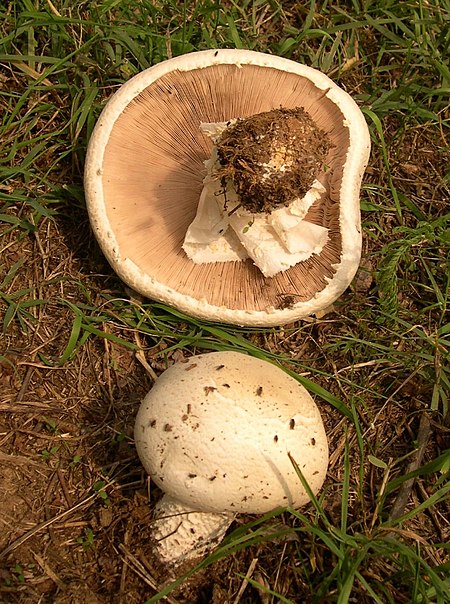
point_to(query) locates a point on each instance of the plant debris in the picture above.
(273, 157)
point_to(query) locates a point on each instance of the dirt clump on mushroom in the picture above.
(272, 157)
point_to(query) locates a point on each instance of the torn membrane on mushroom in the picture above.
(261, 214)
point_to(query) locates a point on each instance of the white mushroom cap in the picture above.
(216, 434)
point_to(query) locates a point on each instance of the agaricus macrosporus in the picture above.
(292, 238)
(218, 434)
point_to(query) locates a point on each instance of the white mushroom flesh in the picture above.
(222, 231)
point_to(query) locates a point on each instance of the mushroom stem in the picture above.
(183, 534)
(273, 232)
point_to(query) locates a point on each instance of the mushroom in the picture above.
(218, 434)
(144, 175)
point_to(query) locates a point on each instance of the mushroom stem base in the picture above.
(183, 534)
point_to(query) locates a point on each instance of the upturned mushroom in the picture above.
(218, 434)
(144, 177)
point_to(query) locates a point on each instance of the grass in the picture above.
(73, 338)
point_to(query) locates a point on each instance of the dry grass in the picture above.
(75, 515)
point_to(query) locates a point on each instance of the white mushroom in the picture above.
(216, 434)
(143, 181)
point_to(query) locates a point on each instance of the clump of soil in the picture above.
(273, 157)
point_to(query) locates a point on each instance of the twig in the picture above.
(416, 459)
(143, 361)
(64, 487)
(17, 459)
(248, 575)
(141, 571)
(25, 384)
(53, 8)
(125, 565)
(49, 572)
